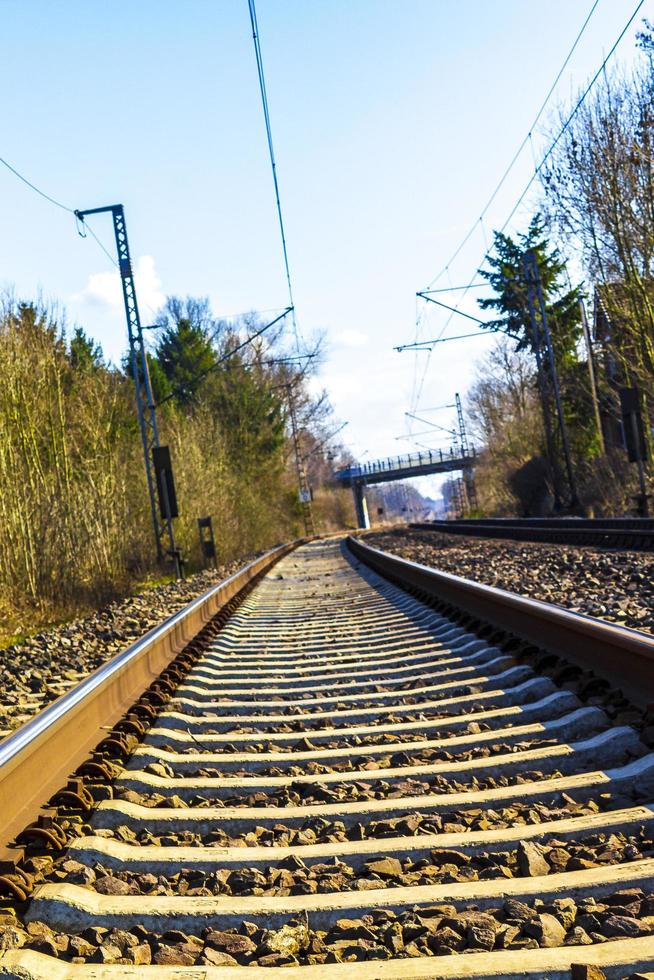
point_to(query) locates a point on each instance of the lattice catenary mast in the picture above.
(162, 520)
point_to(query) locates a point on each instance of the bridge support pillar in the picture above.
(360, 504)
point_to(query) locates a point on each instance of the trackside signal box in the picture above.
(207, 542)
(163, 469)
(632, 425)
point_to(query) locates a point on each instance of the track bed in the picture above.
(348, 783)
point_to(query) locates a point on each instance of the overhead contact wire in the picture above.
(38, 190)
(273, 164)
(58, 204)
(580, 101)
(517, 153)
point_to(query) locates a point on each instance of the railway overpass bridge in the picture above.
(393, 468)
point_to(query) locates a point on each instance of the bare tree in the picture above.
(600, 193)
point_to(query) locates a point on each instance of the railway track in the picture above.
(635, 534)
(343, 775)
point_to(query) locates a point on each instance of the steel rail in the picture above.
(631, 534)
(623, 656)
(603, 523)
(531, 745)
(38, 758)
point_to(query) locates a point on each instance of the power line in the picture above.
(545, 158)
(271, 151)
(244, 313)
(452, 289)
(201, 375)
(64, 207)
(517, 153)
(38, 190)
(87, 228)
(479, 221)
(106, 251)
(578, 106)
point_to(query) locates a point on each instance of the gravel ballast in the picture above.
(45, 666)
(617, 586)
(434, 930)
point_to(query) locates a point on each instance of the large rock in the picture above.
(546, 929)
(480, 937)
(565, 910)
(173, 956)
(387, 867)
(445, 939)
(288, 941)
(112, 886)
(578, 937)
(79, 947)
(625, 926)
(586, 971)
(121, 938)
(351, 929)
(531, 859)
(230, 942)
(11, 937)
(444, 856)
(215, 957)
(516, 911)
(140, 955)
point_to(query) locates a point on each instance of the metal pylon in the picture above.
(468, 475)
(304, 489)
(145, 406)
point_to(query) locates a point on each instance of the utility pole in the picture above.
(304, 490)
(544, 396)
(591, 375)
(468, 475)
(162, 519)
(532, 265)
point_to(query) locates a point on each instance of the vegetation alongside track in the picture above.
(75, 529)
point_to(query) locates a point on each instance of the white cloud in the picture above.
(351, 338)
(103, 289)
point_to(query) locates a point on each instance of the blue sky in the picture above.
(392, 123)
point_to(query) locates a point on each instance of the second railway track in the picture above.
(620, 533)
(360, 784)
